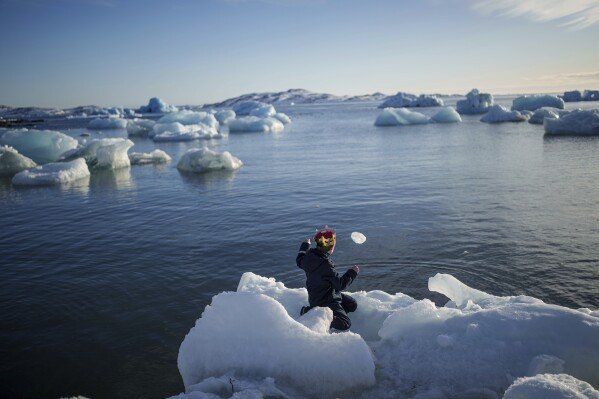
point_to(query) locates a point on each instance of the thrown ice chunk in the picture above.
(550, 386)
(475, 103)
(255, 124)
(358, 238)
(11, 162)
(157, 105)
(108, 153)
(107, 123)
(253, 336)
(534, 102)
(572, 96)
(400, 116)
(498, 114)
(52, 173)
(283, 118)
(186, 117)
(446, 115)
(224, 116)
(577, 122)
(401, 100)
(540, 114)
(201, 160)
(263, 111)
(139, 127)
(41, 146)
(154, 157)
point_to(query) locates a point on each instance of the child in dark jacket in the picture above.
(322, 281)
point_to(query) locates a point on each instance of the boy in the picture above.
(322, 281)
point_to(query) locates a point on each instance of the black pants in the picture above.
(340, 310)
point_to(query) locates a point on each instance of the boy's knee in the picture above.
(341, 324)
(352, 306)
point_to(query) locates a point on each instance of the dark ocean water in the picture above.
(101, 280)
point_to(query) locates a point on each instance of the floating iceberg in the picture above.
(42, 146)
(475, 103)
(107, 123)
(224, 116)
(400, 116)
(577, 122)
(52, 173)
(534, 102)
(476, 343)
(572, 96)
(446, 115)
(176, 131)
(550, 386)
(263, 111)
(540, 114)
(401, 100)
(110, 153)
(11, 162)
(283, 118)
(144, 158)
(498, 113)
(256, 124)
(139, 127)
(590, 95)
(244, 108)
(186, 117)
(201, 160)
(157, 105)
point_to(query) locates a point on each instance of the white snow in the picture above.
(400, 116)
(256, 124)
(157, 105)
(52, 173)
(401, 100)
(534, 102)
(110, 153)
(201, 160)
(11, 162)
(358, 237)
(41, 146)
(577, 122)
(550, 386)
(475, 103)
(477, 344)
(139, 127)
(446, 115)
(154, 157)
(224, 116)
(498, 113)
(107, 123)
(540, 114)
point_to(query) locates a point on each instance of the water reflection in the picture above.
(209, 179)
(119, 179)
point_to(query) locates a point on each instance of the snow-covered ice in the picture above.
(154, 157)
(498, 113)
(534, 102)
(109, 153)
(577, 122)
(401, 100)
(446, 115)
(157, 105)
(572, 96)
(224, 116)
(201, 160)
(42, 146)
(475, 103)
(52, 173)
(107, 123)
(400, 116)
(540, 114)
(550, 386)
(139, 127)
(358, 237)
(256, 124)
(11, 162)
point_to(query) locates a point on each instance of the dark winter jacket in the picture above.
(322, 281)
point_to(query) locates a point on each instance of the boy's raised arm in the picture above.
(302, 251)
(340, 283)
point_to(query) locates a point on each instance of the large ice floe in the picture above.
(254, 341)
(157, 105)
(498, 113)
(42, 146)
(401, 100)
(185, 126)
(446, 115)
(475, 103)
(107, 123)
(534, 102)
(200, 160)
(540, 114)
(139, 127)
(11, 162)
(143, 158)
(109, 153)
(402, 117)
(254, 116)
(52, 173)
(577, 122)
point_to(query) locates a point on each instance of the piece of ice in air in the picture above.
(358, 238)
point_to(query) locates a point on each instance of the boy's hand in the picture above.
(356, 268)
(307, 241)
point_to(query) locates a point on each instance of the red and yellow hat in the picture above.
(325, 237)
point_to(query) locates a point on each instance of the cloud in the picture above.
(573, 14)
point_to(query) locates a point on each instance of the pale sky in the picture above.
(116, 52)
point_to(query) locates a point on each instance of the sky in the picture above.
(63, 53)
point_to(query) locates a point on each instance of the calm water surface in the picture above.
(101, 280)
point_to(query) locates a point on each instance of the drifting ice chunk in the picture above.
(590, 95)
(224, 116)
(139, 127)
(498, 114)
(41, 146)
(446, 115)
(358, 238)
(11, 162)
(577, 122)
(252, 335)
(190, 118)
(175, 131)
(107, 123)
(52, 173)
(550, 386)
(283, 118)
(572, 96)
(401, 100)
(475, 103)
(532, 103)
(263, 111)
(157, 105)
(255, 124)
(201, 160)
(400, 116)
(540, 114)
(142, 158)
(104, 153)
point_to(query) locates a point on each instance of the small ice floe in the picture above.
(201, 160)
(475, 103)
(358, 238)
(52, 173)
(446, 115)
(498, 114)
(143, 158)
(42, 146)
(577, 122)
(400, 116)
(109, 153)
(11, 162)
(107, 123)
(157, 105)
(534, 102)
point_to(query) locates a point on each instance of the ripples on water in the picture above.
(102, 279)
